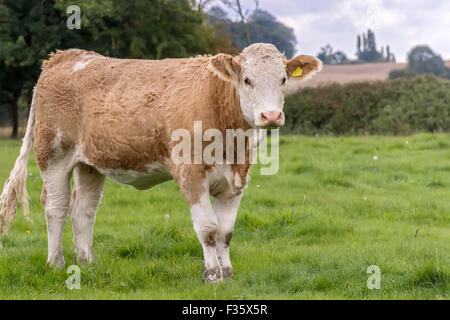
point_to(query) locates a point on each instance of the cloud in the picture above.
(399, 23)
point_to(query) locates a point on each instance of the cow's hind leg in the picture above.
(56, 198)
(226, 211)
(85, 199)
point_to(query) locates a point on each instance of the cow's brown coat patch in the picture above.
(228, 238)
(210, 238)
(123, 111)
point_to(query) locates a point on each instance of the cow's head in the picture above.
(261, 75)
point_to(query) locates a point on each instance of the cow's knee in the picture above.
(210, 237)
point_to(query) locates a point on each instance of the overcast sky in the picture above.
(401, 24)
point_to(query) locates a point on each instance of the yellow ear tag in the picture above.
(297, 72)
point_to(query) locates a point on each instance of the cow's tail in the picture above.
(14, 190)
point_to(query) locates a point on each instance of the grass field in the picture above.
(309, 232)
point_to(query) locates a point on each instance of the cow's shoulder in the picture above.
(70, 55)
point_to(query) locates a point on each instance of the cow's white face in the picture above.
(261, 75)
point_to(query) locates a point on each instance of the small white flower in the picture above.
(167, 216)
(257, 185)
(375, 158)
(365, 198)
(407, 142)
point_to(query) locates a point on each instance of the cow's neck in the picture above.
(228, 114)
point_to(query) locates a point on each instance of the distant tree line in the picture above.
(366, 52)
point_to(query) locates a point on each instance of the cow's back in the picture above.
(120, 112)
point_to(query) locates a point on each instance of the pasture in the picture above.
(355, 73)
(337, 206)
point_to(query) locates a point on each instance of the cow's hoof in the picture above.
(84, 257)
(227, 272)
(213, 275)
(56, 262)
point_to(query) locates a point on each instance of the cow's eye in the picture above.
(283, 81)
(248, 82)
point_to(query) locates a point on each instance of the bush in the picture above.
(402, 73)
(400, 106)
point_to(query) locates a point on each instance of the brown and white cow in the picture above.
(95, 116)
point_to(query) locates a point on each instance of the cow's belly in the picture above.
(155, 174)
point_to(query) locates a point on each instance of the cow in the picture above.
(94, 117)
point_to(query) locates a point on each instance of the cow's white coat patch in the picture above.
(80, 65)
(87, 58)
(56, 143)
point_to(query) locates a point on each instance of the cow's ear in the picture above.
(302, 67)
(225, 67)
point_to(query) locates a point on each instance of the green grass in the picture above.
(309, 232)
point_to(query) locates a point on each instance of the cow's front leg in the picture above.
(226, 212)
(206, 227)
(195, 188)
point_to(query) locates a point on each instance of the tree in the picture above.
(390, 57)
(29, 30)
(236, 7)
(328, 56)
(369, 51)
(262, 26)
(149, 29)
(422, 59)
(325, 53)
(358, 45)
(200, 5)
(221, 23)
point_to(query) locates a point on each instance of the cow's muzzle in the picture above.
(271, 119)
